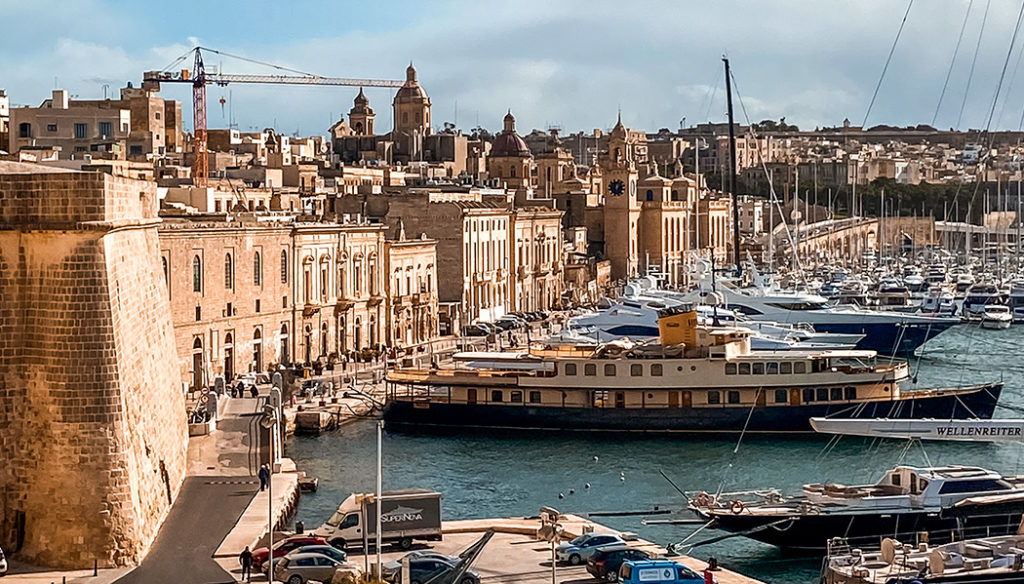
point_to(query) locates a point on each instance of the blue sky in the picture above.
(570, 63)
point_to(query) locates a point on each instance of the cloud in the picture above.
(571, 63)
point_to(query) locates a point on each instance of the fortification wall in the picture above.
(92, 429)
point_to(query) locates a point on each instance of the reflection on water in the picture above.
(487, 475)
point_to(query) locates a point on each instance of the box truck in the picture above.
(411, 514)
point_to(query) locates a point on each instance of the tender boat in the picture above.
(996, 317)
(697, 379)
(948, 502)
(988, 560)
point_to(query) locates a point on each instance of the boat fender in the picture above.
(704, 500)
(737, 507)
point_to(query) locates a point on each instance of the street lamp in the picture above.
(270, 421)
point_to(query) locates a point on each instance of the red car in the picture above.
(260, 555)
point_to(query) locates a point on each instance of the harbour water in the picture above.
(487, 475)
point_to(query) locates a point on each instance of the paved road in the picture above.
(205, 511)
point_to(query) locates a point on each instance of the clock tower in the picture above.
(621, 205)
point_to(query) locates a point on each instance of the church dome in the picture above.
(508, 142)
(411, 91)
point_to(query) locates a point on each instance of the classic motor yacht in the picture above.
(978, 297)
(905, 501)
(696, 379)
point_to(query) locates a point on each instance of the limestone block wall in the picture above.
(92, 429)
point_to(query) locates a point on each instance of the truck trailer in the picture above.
(409, 515)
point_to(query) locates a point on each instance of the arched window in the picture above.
(284, 266)
(512, 171)
(323, 339)
(229, 271)
(650, 195)
(325, 277)
(373, 276)
(257, 269)
(257, 350)
(197, 274)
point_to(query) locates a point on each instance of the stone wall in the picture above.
(92, 425)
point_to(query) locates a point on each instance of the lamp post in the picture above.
(270, 421)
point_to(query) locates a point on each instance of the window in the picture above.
(758, 368)
(229, 271)
(772, 369)
(636, 370)
(284, 266)
(609, 370)
(590, 369)
(730, 369)
(51, 127)
(570, 369)
(257, 269)
(199, 313)
(516, 397)
(257, 305)
(534, 397)
(197, 274)
(650, 195)
(135, 150)
(734, 397)
(167, 272)
(785, 368)
(808, 395)
(656, 369)
(106, 129)
(24, 130)
(970, 486)
(850, 393)
(800, 367)
(81, 130)
(156, 115)
(744, 368)
(836, 394)
(496, 395)
(714, 397)
(781, 396)
(822, 394)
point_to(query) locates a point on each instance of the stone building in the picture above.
(230, 291)
(473, 270)
(91, 409)
(621, 227)
(664, 221)
(510, 162)
(715, 228)
(411, 288)
(538, 258)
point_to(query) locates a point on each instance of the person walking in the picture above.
(264, 475)
(245, 558)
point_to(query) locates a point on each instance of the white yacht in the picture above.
(997, 317)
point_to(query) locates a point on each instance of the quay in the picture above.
(515, 555)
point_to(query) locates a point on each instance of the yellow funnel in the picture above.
(678, 328)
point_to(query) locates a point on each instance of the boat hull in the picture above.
(810, 533)
(411, 415)
(887, 338)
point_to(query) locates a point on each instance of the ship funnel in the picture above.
(678, 326)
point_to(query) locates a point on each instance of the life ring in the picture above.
(703, 500)
(737, 507)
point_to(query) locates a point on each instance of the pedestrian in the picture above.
(245, 558)
(253, 391)
(709, 576)
(264, 475)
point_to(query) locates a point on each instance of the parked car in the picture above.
(657, 572)
(434, 568)
(299, 568)
(580, 549)
(605, 561)
(261, 555)
(474, 330)
(324, 550)
(3, 563)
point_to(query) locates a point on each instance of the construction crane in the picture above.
(199, 78)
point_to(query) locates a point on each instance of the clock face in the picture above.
(616, 187)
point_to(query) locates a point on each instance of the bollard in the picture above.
(95, 567)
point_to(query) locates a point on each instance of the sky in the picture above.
(571, 64)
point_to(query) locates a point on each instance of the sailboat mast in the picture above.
(732, 170)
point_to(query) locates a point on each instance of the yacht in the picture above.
(1015, 299)
(695, 379)
(887, 333)
(903, 502)
(939, 301)
(996, 317)
(978, 297)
